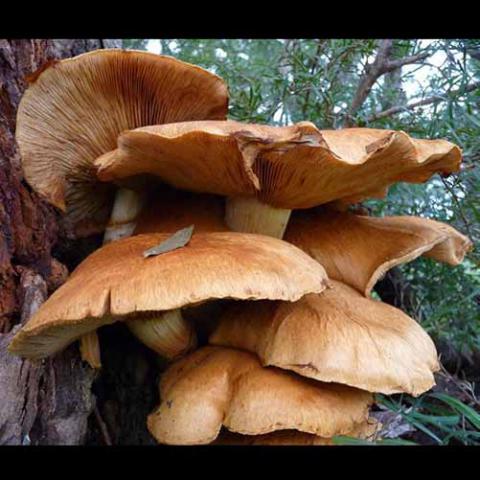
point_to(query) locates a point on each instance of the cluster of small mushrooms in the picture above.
(261, 219)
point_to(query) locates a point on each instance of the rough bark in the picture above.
(44, 402)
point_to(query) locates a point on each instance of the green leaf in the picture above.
(470, 414)
(395, 441)
(345, 440)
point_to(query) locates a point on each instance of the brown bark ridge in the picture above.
(46, 402)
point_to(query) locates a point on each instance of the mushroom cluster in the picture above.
(258, 219)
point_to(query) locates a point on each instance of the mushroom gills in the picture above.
(122, 223)
(166, 333)
(250, 215)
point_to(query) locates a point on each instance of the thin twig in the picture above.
(426, 101)
(381, 65)
(313, 67)
(458, 205)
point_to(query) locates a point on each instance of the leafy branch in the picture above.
(382, 64)
(426, 101)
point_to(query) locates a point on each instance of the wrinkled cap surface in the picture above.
(336, 336)
(205, 156)
(75, 109)
(217, 386)
(116, 281)
(358, 250)
(297, 166)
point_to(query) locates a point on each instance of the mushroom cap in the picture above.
(358, 250)
(365, 430)
(116, 281)
(75, 109)
(290, 167)
(217, 386)
(206, 156)
(168, 210)
(337, 336)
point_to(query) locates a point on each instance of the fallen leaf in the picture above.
(177, 240)
(393, 424)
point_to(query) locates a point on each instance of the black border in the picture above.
(240, 20)
(227, 461)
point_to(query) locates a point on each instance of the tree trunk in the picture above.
(46, 402)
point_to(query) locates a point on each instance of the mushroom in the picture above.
(358, 250)
(209, 156)
(117, 283)
(73, 112)
(167, 210)
(368, 430)
(216, 386)
(267, 171)
(336, 336)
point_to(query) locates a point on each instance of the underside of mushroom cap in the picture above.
(216, 386)
(336, 336)
(366, 430)
(75, 109)
(168, 210)
(351, 165)
(358, 250)
(287, 167)
(117, 281)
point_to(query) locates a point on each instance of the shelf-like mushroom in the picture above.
(73, 112)
(209, 156)
(267, 171)
(358, 250)
(216, 386)
(336, 336)
(117, 283)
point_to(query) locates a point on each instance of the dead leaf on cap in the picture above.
(177, 240)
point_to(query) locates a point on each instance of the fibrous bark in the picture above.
(46, 402)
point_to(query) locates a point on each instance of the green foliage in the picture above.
(135, 43)
(443, 419)
(344, 440)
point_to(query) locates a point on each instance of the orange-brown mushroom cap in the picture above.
(217, 386)
(336, 336)
(75, 109)
(290, 167)
(358, 250)
(206, 156)
(116, 281)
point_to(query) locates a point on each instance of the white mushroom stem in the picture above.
(167, 333)
(250, 215)
(126, 207)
